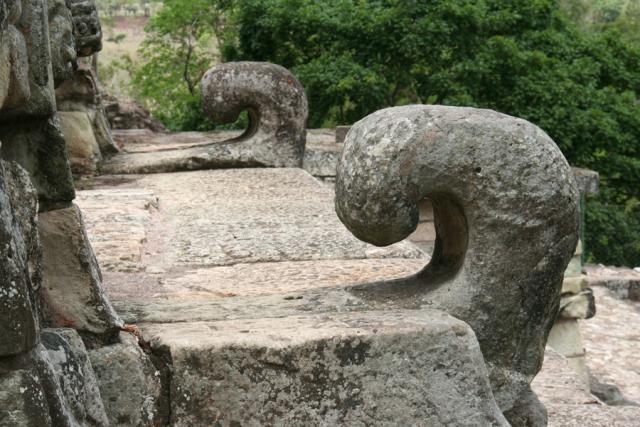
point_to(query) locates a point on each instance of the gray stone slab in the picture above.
(70, 363)
(226, 217)
(374, 368)
(19, 262)
(72, 282)
(129, 384)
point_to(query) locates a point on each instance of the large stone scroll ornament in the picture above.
(506, 216)
(276, 135)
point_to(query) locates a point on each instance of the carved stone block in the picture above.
(72, 287)
(19, 262)
(38, 146)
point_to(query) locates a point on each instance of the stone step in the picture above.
(370, 368)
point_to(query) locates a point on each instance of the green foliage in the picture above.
(520, 57)
(178, 50)
(613, 232)
(599, 15)
(115, 75)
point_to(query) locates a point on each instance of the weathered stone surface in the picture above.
(24, 202)
(277, 108)
(116, 221)
(129, 384)
(81, 95)
(623, 282)
(87, 31)
(372, 368)
(569, 402)
(276, 215)
(578, 306)
(29, 130)
(276, 103)
(565, 338)
(78, 92)
(70, 362)
(494, 181)
(102, 132)
(592, 416)
(130, 115)
(609, 393)
(557, 383)
(14, 66)
(612, 341)
(22, 398)
(574, 285)
(39, 147)
(59, 410)
(320, 156)
(528, 411)
(84, 151)
(72, 290)
(224, 282)
(31, 20)
(63, 49)
(574, 268)
(197, 286)
(174, 297)
(19, 262)
(320, 163)
(31, 394)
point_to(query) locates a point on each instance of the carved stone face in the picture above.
(14, 79)
(63, 49)
(86, 26)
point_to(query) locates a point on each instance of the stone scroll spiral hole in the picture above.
(443, 232)
(245, 124)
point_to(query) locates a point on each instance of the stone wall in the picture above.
(84, 122)
(56, 320)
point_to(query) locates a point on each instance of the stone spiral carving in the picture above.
(506, 215)
(275, 101)
(276, 135)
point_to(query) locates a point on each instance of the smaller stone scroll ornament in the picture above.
(275, 137)
(506, 217)
(275, 101)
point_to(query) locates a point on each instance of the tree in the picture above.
(179, 48)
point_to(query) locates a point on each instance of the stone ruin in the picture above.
(84, 121)
(458, 343)
(58, 327)
(275, 137)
